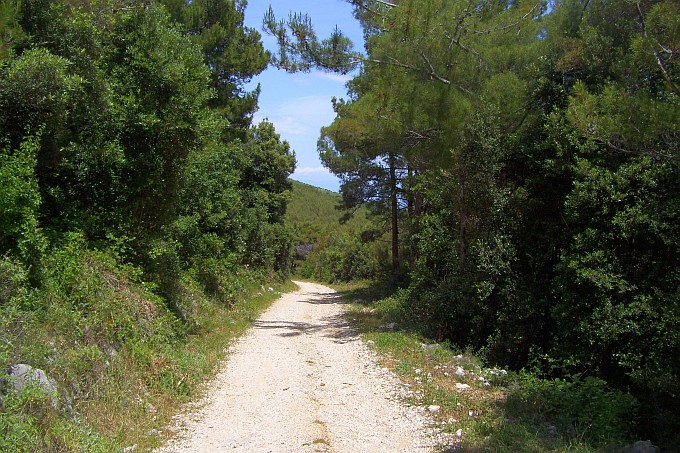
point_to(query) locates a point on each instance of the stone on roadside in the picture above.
(641, 446)
(460, 386)
(433, 408)
(22, 375)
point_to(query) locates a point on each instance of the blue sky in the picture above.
(300, 104)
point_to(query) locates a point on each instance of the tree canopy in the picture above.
(131, 121)
(532, 151)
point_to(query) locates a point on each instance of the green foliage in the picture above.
(306, 51)
(20, 201)
(501, 411)
(106, 340)
(136, 203)
(527, 161)
(344, 258)
(35, 91)
(313, 211)
(10, 30)
(233, 52)
(584, 408)
(329, 248)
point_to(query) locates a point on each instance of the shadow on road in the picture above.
(335, 327)
(323, 298)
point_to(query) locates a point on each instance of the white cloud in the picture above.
(312, 170)
(333, 77)
(289, 125)
(300, 116)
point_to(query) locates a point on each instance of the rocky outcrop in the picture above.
(22, 376)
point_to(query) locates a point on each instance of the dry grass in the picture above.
(136, 407)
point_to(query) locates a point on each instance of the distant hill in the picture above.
(312, 211)
(313, 214)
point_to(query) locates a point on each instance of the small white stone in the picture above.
(433, 408)
(460, 386)
(459, 433)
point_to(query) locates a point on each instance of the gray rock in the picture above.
(641, 446)
(552, 430)
(22, 375)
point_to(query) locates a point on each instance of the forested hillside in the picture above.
(330, 244)
(138, 204)
(525, 155)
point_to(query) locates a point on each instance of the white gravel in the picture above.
(301, 380)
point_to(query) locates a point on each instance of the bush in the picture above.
(585, 409)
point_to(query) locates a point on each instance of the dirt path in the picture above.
(302, 381)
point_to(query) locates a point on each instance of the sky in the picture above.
(299, 105)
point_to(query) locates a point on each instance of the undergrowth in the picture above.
(122, 360)
(487, 408)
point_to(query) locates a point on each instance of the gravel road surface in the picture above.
(301, 380)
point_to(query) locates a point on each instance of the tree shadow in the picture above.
(324, 298)
(335, 327)
(368, 294)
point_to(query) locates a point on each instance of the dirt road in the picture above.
(302, 381)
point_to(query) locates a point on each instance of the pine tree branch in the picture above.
(659, 61)
(512, 25)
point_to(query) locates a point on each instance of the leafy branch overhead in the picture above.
(303, 50)
(421, 43)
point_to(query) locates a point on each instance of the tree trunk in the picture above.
(463, 226)
(394, 212)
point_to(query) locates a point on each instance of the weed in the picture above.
(112, 345)
(493, 409)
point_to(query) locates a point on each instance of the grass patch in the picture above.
(488, 409)
(176, 378)
(125, 362)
